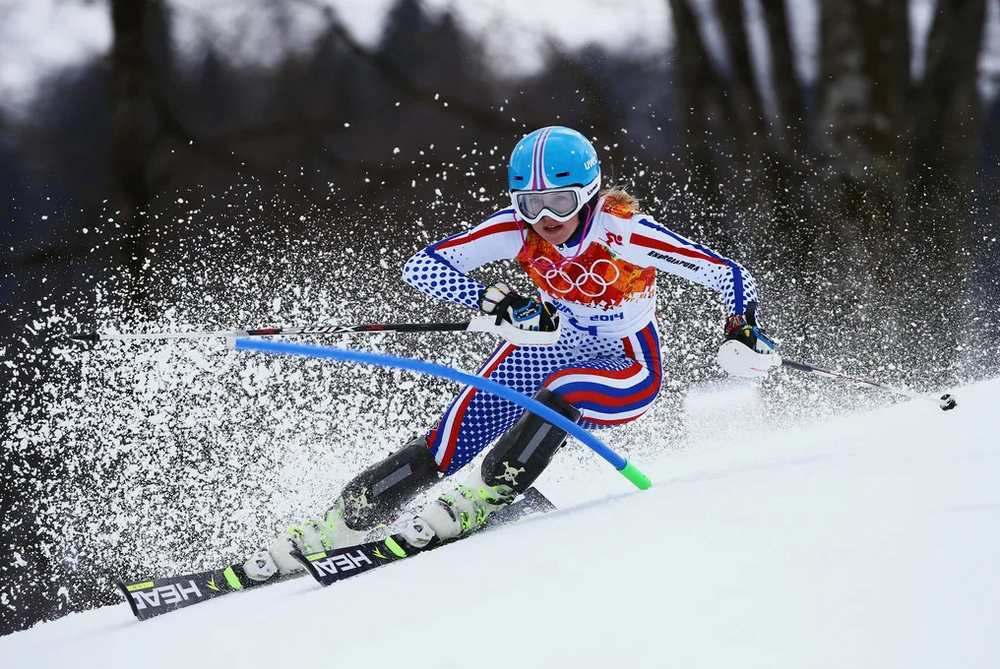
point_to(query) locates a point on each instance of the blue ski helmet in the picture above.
(552, 158)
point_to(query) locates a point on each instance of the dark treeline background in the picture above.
(866, 202)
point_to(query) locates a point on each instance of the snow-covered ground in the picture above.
(871, 540)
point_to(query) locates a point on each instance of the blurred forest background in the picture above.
(865, 198)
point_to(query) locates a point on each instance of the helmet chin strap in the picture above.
(585, 221)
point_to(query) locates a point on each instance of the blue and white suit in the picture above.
(603, 281)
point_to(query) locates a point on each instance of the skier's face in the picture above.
(555, 232)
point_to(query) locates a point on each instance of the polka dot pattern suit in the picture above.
(607, 359)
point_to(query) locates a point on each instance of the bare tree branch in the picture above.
(788, 90)
(484, 118)
(948, 97)
(749, 108)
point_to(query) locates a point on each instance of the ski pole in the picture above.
(305, 330)
(946, 401)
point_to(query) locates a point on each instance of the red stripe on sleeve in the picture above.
(478, 234)
(658, 245)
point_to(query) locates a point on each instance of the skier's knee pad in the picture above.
(523, 452)
(384, 488)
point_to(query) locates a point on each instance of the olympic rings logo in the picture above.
(563, 278)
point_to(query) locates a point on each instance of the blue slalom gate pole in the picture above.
(627, 469)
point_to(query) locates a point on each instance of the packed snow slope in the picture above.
(871, 540)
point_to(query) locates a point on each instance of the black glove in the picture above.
(524, 313)
(744, 329)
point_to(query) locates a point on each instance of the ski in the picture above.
(329, 567)
(149, 598)
(154, 597)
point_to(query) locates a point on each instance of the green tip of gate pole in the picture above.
(632, 473)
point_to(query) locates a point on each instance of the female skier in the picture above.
(594, 258)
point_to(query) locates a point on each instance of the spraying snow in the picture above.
(866, 540)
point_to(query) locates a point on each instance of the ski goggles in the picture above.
(561, 204)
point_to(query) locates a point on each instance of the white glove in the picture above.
(747, 351)
(520, 320)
